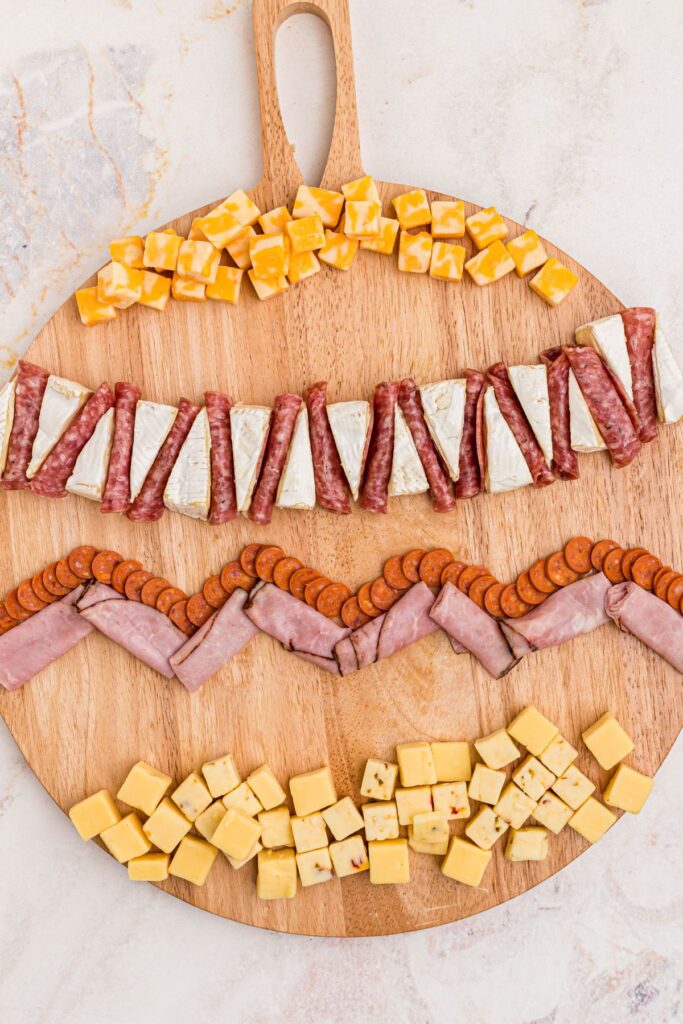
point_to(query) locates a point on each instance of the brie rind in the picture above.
(62, 401)
(188, 489)
(506, 467)
(443, 404)
(608, 338)
(584, 435)
(297, 483)
(6, 419)
(249, 425)
(350, 425)
(152, 425)
(407, 472)
(668, 378)
(92, 465)
(530, 384)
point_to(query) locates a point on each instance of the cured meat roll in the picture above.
(406, 622)
(298, 627)
(468, 483)
(565, 460)
(575, 609)
(331, 489)
(639, 328)
(28, 397)
(116, 497)
(284, 417)
(149, 504)
(471, 627)
(605, 403)
(381, 449)
(50, 480)
(219, 639)
(439, 483)
(514, 416)
(651, 620)
(223, 497)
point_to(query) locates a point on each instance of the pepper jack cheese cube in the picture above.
(437, 849)
(451, 797)
(94, 814)
(497, 749)
(592, 820)
(236, 834)
(533, 778)
(312, 791)
(149, 867)
(198, 261)
(389, 863)
(343, 818)
(314, 866)
(338, 251)
(416, 764)
(192, 796)
(448, 218)
(379, 779)
(486, 828)
(553, 282)
(452, 761)
(514, 806)
(490, 264)
(309, 832)
(267, 289)
(90, 309)
(486, 784)
(144, 787)
(276, 828)
(573, 787)
(226, 287)
(237, 864)
(349, 856)
(381, 820)
(552, 813)
(243, 799)
(126, 839)
(532, 730)
(185, 290)
(305, 234)
(120, 285)
(412, 209)
(273, 222)
(240, 249)
(414, 252)
(156, 290)
(628, 789)
(447, 261)
(128, 250)
(263, 783)
(527, 844)
(412, 801)
(430, 827)
(221, 775)
(558, 755)
(362, 219)
(465, 862)
(166, 826)
(161, 250)
(193, 860)
(276, 878)
(322, 202)
(269, 257)
(361, 190)
(386, 239)
(208, 821)
(486, 226)
(607, 741)
(527, 251)
(301, 266)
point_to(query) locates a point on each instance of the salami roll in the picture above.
(331, 488)
(469, 479)
(223, 498)
(639, 328)
(116, 497)
(149, 504)
(28, 397)
(381, 450)
(515, 417)
(285, 411)
(565, 460)
(605, 403)
(439, 483)
(50, 480)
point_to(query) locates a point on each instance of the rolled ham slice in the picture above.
(439, 483)
(346, 657)
(565, 460)
(651, 620)
(381, 451)
(515, 418)
(116, 497)
(576, 609)
(285, 413)
(223, 497)
(219, 639)
(605, 403)
(468, 483)
(639, 328)
(365, 640)
(50, 480)
(406, 621)
(474, 629)
(28, 397)
(298, 627)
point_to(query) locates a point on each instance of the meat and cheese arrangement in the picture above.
(509, 427)
(570, 593)
(431, 800)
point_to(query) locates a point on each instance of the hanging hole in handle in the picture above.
(307, 89)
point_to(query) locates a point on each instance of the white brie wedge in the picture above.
(443, 404)
(608, 338)
(530, 384)
(249, 425)
(188, 490)
(152, 425)
(506, 467)
(668, 378)
(407, 472)
(92, 465)
(62, 401)
(584, 435)
(6, 419)
(297, 483)
(350, 424)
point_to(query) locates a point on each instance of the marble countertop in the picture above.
(119, 115)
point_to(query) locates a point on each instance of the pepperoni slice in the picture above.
(248, 559)
(65, 576)
(469, 575)
(314, 588)
(577, 552)
(299, 579)
(540, 579)
(80, 561)
(6, 620)
(451, 573)
(52, 584)
(432, 565)
(674, 592)
(233, 577)
(103, 565)
(27, 597)
(559, 570)
(40, 590)
(266, 560)
(151, 590)
(214, 592)
(478, 588)
(352, 614)
(179, 617)
(410, 564)
(167, 598)
(660, 572)
(600, 550)
(611, 565)
(644, 570)
(628, 558)
(663, 581)
(329, 601)
(14, 609)
(527, 591)
(382, 595)
(394, 575)
(492, 600)
(198, 610)
(135, 581)
(284, 570)
(122, 571)
(365, 602)
(512, 604)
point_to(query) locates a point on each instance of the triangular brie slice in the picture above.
(530, 384)
(608, 338)
(444, 408)
(668, 378)
(506, 467)
(249, 425)
(350, 423)
(92, 465)
(62, 401)
(6, 419)
(407, 472)
(188, 490)
(152, 425)
(584, 433)
(297, 483)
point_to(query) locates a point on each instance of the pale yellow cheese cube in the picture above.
(208, 821)
(301, 266)
(430, 827)
(119, 285)
(143, 788)
(529, 843)
(412, 209)
(276, 878)
(465, 862)
(322, 202)
(312, 791)
(198, 261)
(269, 257)
(276, 828)
(91, 310)
(497, 749)
(389, 863)
(193, 860)
(379, 779)
(242, 207)
(490, 264)
(226, 287)
(237, 864)
(343, 818)
(126, 839)
(448, 218)
(128, 250)
(361, 190)
(416, 764)
(628, 789)
(220, 226)
(239, 249)
(94, 814)
(195, 233)
(149, 867)
(381, 820)
(527, 251)
(267, 289)
(273, 222)
(592, 820)
(533, 778)
(191, 796)
(452, 798)
(486, 226)
(558, 755)
(486, 784)
(452, 761)
(315, 866)
(161, 250)
(554, 282)
(156, 290)
(486, 828)
(309, 832)
(166, 826)
(414, 252)
(221, 775)
(185, 290)
(412, 801)
(305, 234)
(242, 798)
(362, 219)
(607, 741)
(552, 813)
(386, 239)
(263, 783)
(436, 849)
(532, 730)
(338, 251)
(349, 856)
(573, 787)
(236, 834)
(447, 261)
(514, 806)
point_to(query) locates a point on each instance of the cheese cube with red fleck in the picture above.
(412, 209)
(315, 866)
(301, 266)
(448, 218)
(185, 290)
(128, 250)
(349, 856)
(321, 201)
(338, 251)
(527, 251)
(239, 250)
(362, 219)
(554, 282)
(267, 289)
(386, 239)
(156, 290)
(226, 287)
(161, 250)
(90, 309)
(305, 234)
(490, 264)
(447, 261)
(120, 285)
(198, 261)
(273, 221)
(414, 252)
(486, 226)
(361, 190)
(451, 798)
(269, 256)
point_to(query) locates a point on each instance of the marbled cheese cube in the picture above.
(416, 764)
(410, 802)
(452, 761)
(263, 783)
(628, 789)
(273, 222)
(269, 257)
(239, 250)
(309, 832)
(322, 202)
(497, 749)
(242, 208)
(301, 266)
(185, 290)
(389, 863)
(191, 796)
(193, 860)
(195, 233)
(156, 290)
(532, 730)
(119, 285)
(514, 806)
(465, 862)
(208, 821)
(381, 820)
(143, 787)
(386, 239)
(276, 828)
(412, 209)
(486, 784)
(220, 226)
(338, 251)
(343, 818)
(552, 813)
(198, 261)
(314, 866)
(554, 282)
(305, 234)
(128, 250)
(276, 878)
(221, 775)
(436, 849)
(166, 826)
(527, 251)
(243, 799)
(91, 310)
(573, 787)
(312, 791)
(125, 839)
(607, 741)
(486, 828)
(379, 779)
(558, 755)
(447, 261)
(362, 219)
(533, 778)
(267, 289)
(149, 867)
(414, 252)
(94, 814)
(361, 190)
(237, 864)
(430, 827)
(486, 226)
(490, 264)
(161, 250)
(236, 834)
(451, 797)
(448, 218)
(349, 856)
(529, 843)
(226, 287)
(592, 820)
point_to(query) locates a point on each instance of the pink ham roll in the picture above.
(471, 627)
(298, 627)
(219, 639)
(654, 622)
(406, 622)
(569, 612)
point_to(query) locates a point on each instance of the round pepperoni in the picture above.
(198, 610)
(41, 590)
(284, 570)
(266, 560)
(433, 564)
(478, 588)
(540, 579)
(81, 560)
(559, 570)
(65, 575)
(512, 604)
(451, 573)
(312, 589)
(674, 592)
(628, 558)
(151, 590)
(27, 597)
(6, 620)
(611, 565)
(644, 570)
(52, 584)
(577, 551)
(248, 559)
(352, 615)
(135, 581)
(469, 575)
(365, 602)
(330, 600)
(410, 565)
(382, 595)
(600, 550)
(233, 577)
(103, 565)
(167, 598)
(299, 579)
(527, 591)
(214, 592)
(14, 609)
(492, 600)
(122, 571)
(662, 582)
(178, 616)
(394, 575)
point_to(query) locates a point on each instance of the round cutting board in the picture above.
(82, 723)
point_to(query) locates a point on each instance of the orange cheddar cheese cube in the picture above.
(90, 309)
(414, 252)
(128, 250)
(361, 190)
(554, 282)
(220, 226)
(267, 289)
(338, 251)
(273, 221)
(386, 239)
(447, 261)
(412, 209)
(242, 208)
(226, 287)
(239, 248)
(195, 233)
(486, 226)
(321, 201)
(156, 290)
(362, 219)
(269, 256)
(301, 266)
(161, 250)
(490, 264)
(527, 251)
(198, 261)
(118, 284)
(186, 290)
(305, 234)
(448, 218)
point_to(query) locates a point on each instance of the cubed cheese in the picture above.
(241, 207)
(221, 775)
(166, 826)
(150, 867)
(514, 806)
(430, 827)
(486, 226)
(362, 219)
(198, 261)
(156, 290)
(465, 862)
(302, 266)
(452, 761)
(527, 251)
(269, 257)
(195, 232)
(322, 202)
(416, 764)
(315, 866)
(276, 878)
(386, 239)
(193, 860)
(558, 755)
(607, 741)
(438, 848)
(379, 779)
(410, 802)
(448, 218)
(312, 791)
(272, 222)
(497, 749)
(552, 813)
(533, 778)
(452, 798)
(191, 796)
(414, 252)
(532, 730)
(185, 290)
(338, 251)
(490, 264)
(412, 209)
(94, 814)
(267, 289)
(239, 863)
(343, 818)
(306, 234)
(236, 834)
(361, 190)
(125, 839)
(220, 226)
(486, 828)
(381, 820)
(91, 310)
(309, 832)
(161, 250)
(592, 820)
(486, 784)
(349, 856)
(208, 821)
(628, 789)
(573, 787)
(263, 783)
(128, 250)
(143, 788)
(239, 249)
(554, 282)
(242, 798)
(276, 826)
(447, 261)
(389, 864)
(529, 843)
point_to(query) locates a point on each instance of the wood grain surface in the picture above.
(82, 723)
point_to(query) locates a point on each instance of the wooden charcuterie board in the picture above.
(83, 722)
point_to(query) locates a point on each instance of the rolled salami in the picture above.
(149, 504)
(439, 483)
(468, 483)
(285, 413)
(639, 328)
(50, 480)
(605, 403)
(28, 397)
(223, 497)
(331, 488)
(381, 450)
(116, 497)
(565, 460)
(515, 418)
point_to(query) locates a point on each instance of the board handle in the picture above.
(279, 163)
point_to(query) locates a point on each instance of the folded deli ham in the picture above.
(439, 483)
(116, 496)
(605, 403)
(31, 384)
(381, 450)
(406, 621)
(565, 460)
(575, 609)
(331, 489)
(285, 413)
(50, 480)
(514, 416)
(469, 481)
(471, 627)
(639, 328)
(149, 504)
(219, 639)
(298, 627)
(652, 621)
(223, 496)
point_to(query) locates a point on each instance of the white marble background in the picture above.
(120, 114)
